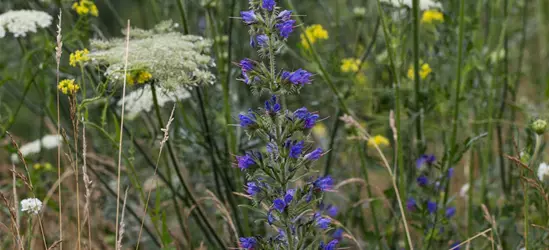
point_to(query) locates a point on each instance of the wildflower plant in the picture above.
(285, 189)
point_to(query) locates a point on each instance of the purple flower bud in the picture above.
(279, 205)
(248, 17)
(284, 15)
(300, 76)
(262, 40)
(285, 75)
(411, 204)
(314, 155)
(289, 196)
(338, 234)
(268, 5)
(247, 120)
(253, 189)
(246, 64)
(272, 106)
(429, 159)
(244, 162)
(431, 206)
(454, 246)
(252, 42)
(332, 211)
(422, 181)
(296, 149)
(310, 121)
(248, 242)
(270, 217)
(286, 28)
(450, 212)
(301, 113)
(323, 183)
(322, 222)
(331, 245)
(450, 173)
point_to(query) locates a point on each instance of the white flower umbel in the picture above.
(543, 171)
(47, 142)
(423, 4)
(21, 22)
(31, 205)
(170, 57)
(141, 100)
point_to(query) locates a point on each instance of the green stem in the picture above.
(417, 80)
(399, 159)
(370, 196)
(184, 17)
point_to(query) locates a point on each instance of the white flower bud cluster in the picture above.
(21, 22)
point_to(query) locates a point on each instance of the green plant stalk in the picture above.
(364, 168)
(399, 159)
(183, 16)
(525, 187)
(417, 80)
(333, 136)
(175, 163)
(506, 187)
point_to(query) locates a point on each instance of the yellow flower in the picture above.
(37, 166)
(68, 87)
(350, 65)
(378, 140)
(85, 7)
(320, 130)
(138, 77)
(313, 33)
(424, 71)
(79, 56)
(143, 77)
(432, 15)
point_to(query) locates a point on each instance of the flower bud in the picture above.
(539, 126)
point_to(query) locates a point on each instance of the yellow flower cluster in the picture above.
(46, 166)
(432, 15)
(350, 65)
(313, 33)
(79, 56)
(378, 140)
(68, 87)
(138, 77)
(85, 7)
(424, 71)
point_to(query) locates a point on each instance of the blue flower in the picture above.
(450, 212)
(411, 204)
(247, 120)
(285, 75)
(301, 113)
(272, 106)
(422, 181)
(245, 161)
(248, 17)
(281, 235)
(296, 149)
(331, 245)
(248, 242)
(338, 234)
(332, 211)
(252, 42)
(268, 5)
(323, 183)
(300, 76)
(431, 206)
(314, 155)
(429, 159)
(286, 28)
(289, 196)
(454, 246)
(285, 15)
(310, 121)
(262, 40)
(253, 188)
(246, 64)
(322, 222)
(270, 217)
(450, 172)
(279, 205)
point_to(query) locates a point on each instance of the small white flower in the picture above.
(464, 190)
(31, 205)
(423, 4)
(21, 22)
(543, 171)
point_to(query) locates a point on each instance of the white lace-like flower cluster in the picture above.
(543, 171)
(423, 4)
(170, 57)
(47, 142)
(31, 205)
(21, 22)
(141, 100)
